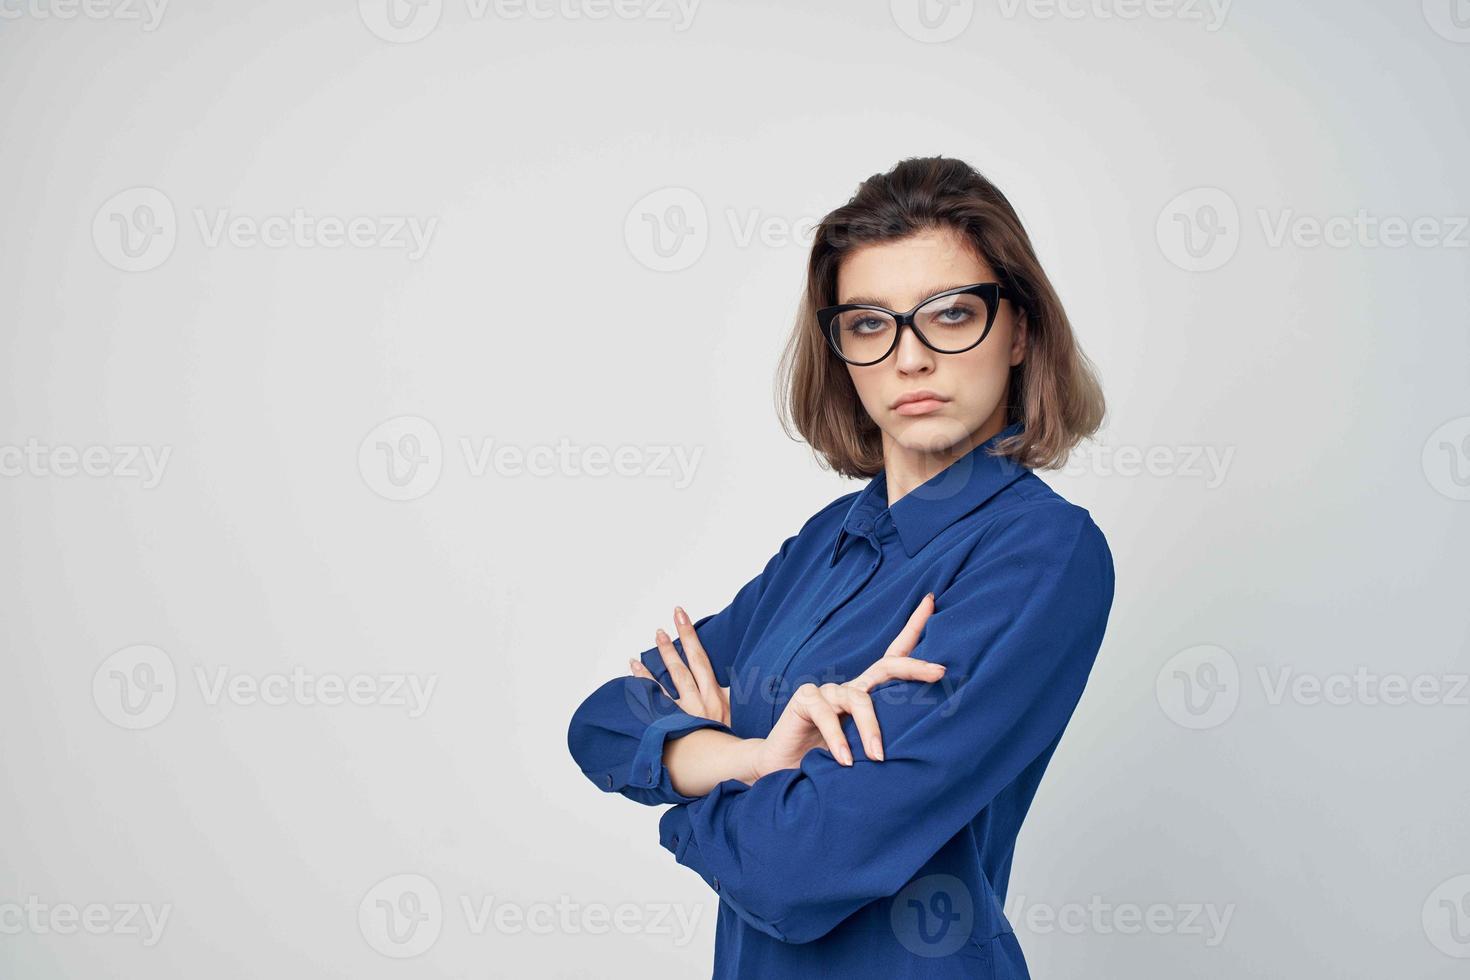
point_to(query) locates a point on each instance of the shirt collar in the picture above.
(934, 505)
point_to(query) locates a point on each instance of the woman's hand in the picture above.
(813, 716)
(698, 692)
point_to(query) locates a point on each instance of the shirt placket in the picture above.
(865, 529)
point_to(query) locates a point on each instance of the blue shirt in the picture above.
(895, 868)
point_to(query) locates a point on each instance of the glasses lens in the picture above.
(863, 335)
(953, 323)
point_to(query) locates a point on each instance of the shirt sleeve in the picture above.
(618, 732)
(799, 850)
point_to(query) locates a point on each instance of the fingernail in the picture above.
(930, 595)
(876, 751)
(681, 617)
(632, 664)
(662, 636)
(845, 757)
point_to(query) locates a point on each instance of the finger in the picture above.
(908, 637)
(897, 668)
(704, 672)
(812, 706)
(678, 673)
(636, 668)
(860, 706)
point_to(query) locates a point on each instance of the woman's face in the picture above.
(971, 387)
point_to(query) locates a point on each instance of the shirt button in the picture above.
(607, 780)
(676, 840)
(717, 882)
(650, 775)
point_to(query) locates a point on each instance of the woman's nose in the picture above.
(912, 356)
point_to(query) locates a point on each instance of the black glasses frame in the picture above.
(991, 292)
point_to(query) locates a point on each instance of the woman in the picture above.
(901, 671)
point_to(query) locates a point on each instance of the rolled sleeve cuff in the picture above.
(648, 769)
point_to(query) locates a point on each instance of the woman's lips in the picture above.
(921, 407)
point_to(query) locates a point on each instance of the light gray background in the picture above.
(1322, 823)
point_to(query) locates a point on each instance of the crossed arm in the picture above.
(796, 850)
(703, 759)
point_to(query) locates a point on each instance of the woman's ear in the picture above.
(1018, 338)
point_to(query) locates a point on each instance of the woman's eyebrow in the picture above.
(880, 301)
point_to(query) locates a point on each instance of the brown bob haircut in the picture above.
(1054, 391)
